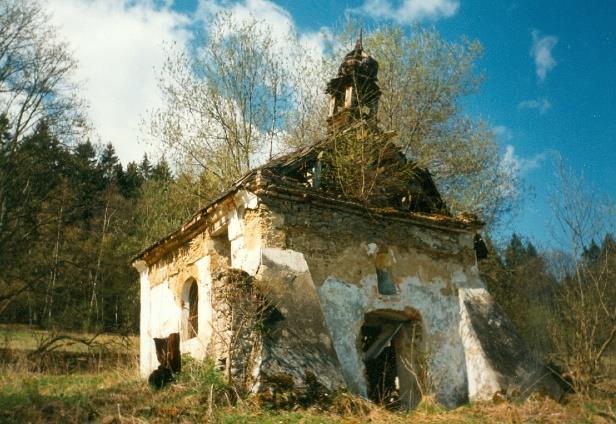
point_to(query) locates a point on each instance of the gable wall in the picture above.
(342, 250)
(320, 265)
(336, 244)
(162, 309)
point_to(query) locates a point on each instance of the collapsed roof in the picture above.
(354, 95)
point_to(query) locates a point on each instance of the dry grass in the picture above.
(26, 338)
(534, 410)
(116, 394)
(120, 396)
(30, 349)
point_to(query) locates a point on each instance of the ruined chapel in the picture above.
(282, 282)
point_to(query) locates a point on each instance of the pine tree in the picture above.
(108, 163)
(145, 168)
(131, 181)
(161, 171)
(86, 178)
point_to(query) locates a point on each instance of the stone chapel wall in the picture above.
(344, 250)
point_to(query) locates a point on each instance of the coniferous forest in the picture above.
(74, 216)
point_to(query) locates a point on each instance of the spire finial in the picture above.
(359, 42)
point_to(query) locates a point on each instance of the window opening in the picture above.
(385, 283)
(190, 310)
(193, 311)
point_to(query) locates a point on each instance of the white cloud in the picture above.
(118, 44)
(503, 132)
(119, 47)
(275, 18)
(541, 104)
(295, 49)
(409, 11)
(517, 165)
(541, 52)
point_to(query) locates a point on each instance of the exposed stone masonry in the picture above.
(239, 312)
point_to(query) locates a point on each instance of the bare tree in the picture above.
(587, 301)
(36, 81)
(224, 104)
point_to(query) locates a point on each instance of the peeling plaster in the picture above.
(321, 272)
(483, 381)
(345, 306)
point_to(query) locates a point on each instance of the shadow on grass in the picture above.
(28, 402)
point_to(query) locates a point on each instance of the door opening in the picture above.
(391, 346)
(381, 373)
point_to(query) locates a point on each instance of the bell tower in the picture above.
(354, 93)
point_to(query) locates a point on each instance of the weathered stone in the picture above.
(300, 342)
(497, 359)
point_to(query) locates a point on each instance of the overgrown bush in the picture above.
(202, 377)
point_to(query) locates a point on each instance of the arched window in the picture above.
(191, 309)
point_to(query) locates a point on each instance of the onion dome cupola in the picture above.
(354, 93)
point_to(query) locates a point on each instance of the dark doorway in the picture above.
(390, 342)
(381, 373)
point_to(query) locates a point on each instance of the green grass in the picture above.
(269, 417)
(26, 397)
(120, 394)
(199, 394)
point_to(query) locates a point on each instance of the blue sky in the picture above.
(550, 67)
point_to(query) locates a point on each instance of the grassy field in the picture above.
(115, 394)
(22, 337)
(52, 352)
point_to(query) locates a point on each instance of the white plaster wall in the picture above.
(144, 317)
(161, 312)
(161, 315)
(483, 381)
(345, 306)
(166, 312)
(241, 257)
(165, 315)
